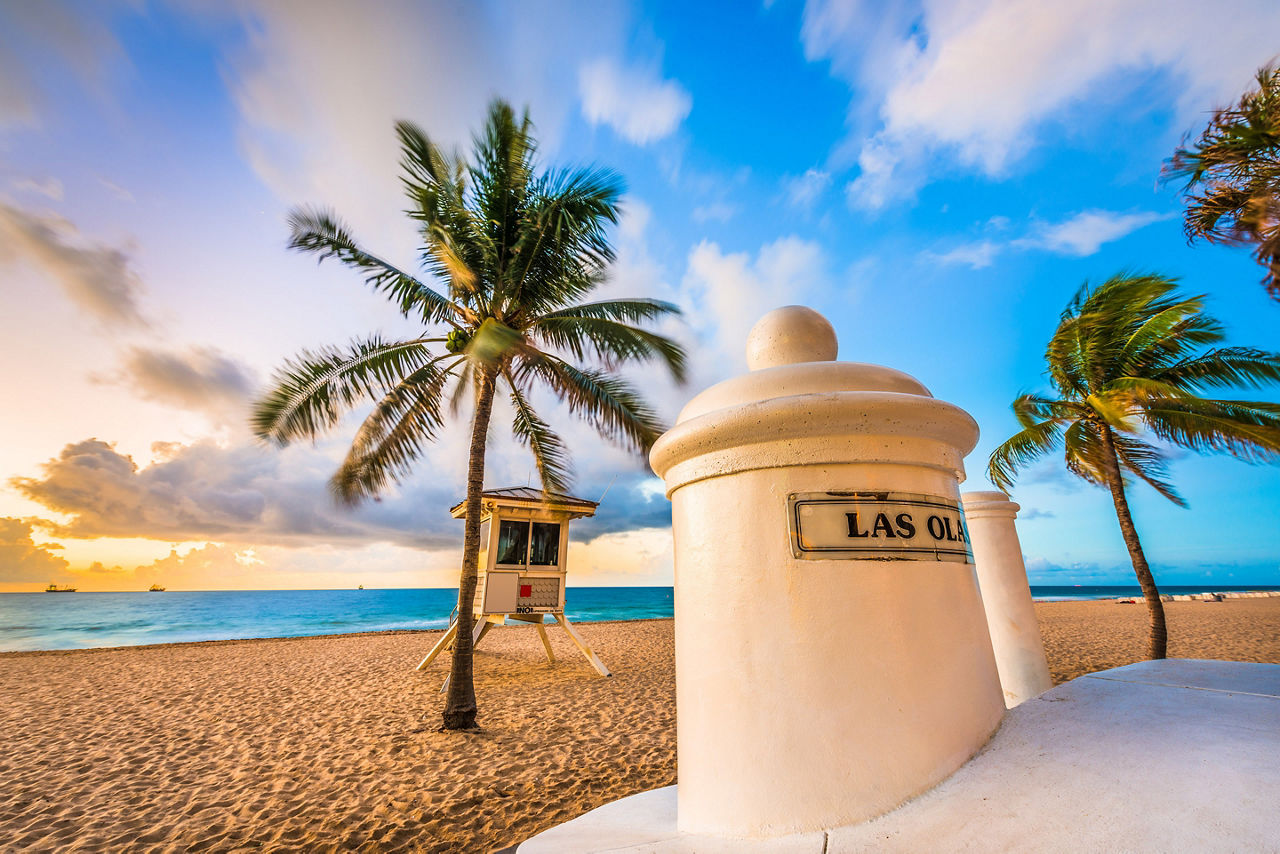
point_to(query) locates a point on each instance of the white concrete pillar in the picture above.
(1006, 596)
(830, 664)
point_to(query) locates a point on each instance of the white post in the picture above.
(1006, 596)
(833, 656)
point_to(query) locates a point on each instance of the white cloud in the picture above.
(803, 191)
(975, 255)
(634, 101)
(731, 291)
(978, 79)
(1081, 234)
(1084, 233)
(714, 211)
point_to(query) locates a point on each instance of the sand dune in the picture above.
(329, 744)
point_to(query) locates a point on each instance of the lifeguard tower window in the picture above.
(513, 542)
(544, 550)
(517, 548)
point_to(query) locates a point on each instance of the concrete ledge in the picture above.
(1157, 756)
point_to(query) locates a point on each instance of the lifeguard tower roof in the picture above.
(528, 494)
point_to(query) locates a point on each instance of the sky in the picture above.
(938, 178)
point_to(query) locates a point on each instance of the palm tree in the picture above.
(1128, 363)
(1233, 177)
(515, 250)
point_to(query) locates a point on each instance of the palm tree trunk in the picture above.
(460, 706)
(1159, 634)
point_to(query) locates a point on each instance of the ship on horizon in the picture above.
(53, 588)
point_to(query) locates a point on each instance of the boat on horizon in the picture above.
(53, 588)
(155, 588)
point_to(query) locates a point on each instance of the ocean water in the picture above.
(32, 621)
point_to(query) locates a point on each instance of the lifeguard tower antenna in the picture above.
(524, 539)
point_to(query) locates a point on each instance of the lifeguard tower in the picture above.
(524, 539)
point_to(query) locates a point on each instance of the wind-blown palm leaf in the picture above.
(1022, 449)
(1131, 392)
(1243, 429)
(1152, 337)
(1226, 367)
(1082, 443)
(313, 391)
(1147, 463)
(436, 185)
(320, 232)
(565, 248)
(392, 437)
(1232, 177)
(549, 454)
(614, 343)
(608, 403)
(1031, 409)
(624, 310)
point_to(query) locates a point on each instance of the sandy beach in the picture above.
(327, 744)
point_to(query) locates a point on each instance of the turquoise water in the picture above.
(30, 621)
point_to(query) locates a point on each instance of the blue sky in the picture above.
(937, 178)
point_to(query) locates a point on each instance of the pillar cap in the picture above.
(992, 502)
(798, 406)
(790, 335)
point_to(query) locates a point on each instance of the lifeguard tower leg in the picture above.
(546, 642)
(440, 645)
(582, 646)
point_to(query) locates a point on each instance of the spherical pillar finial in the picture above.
(790, 335)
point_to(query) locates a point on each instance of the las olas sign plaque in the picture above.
(877, 526)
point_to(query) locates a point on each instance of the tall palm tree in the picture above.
(1232, 177)
(1128, 363)
(515, 250)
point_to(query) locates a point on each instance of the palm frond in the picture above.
(563, 247)
(1232, 174)
(1030, 409)
(624, 310)
(313, 391)
(1146, 462)
(394, 434)
(320, 232)
(1246, 430)
(1020, 450)
(615, 343)
(606, 402)
(549, 453)
(1083, 452)
(1226, 367)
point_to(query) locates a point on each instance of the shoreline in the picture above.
(278, 638)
